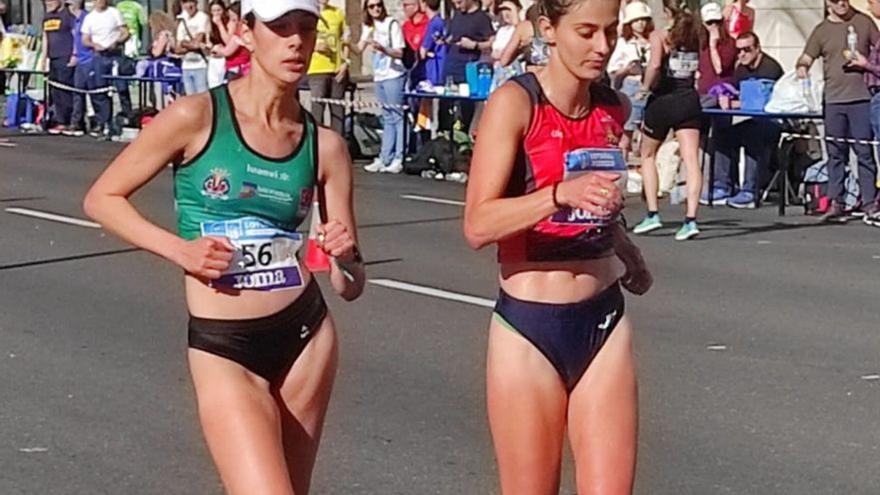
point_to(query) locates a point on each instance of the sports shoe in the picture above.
(872, 220)
(428, 174)
(866, 211)
(719, 197)
(687, 230)
(375, 167)
(74, 132)
(461, 177)
(57, 130)
(743, 199)
(834, 213)
(395, 167)
(96, 131)
(650, 222)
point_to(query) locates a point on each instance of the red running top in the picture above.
(553, 143)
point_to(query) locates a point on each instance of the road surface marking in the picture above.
(433, 292)
(53, 217)
(429, 199)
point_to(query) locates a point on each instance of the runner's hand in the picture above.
(595, 192)
(206, 257)
(335, 240)
(638, 278)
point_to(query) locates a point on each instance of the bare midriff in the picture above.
(207, 302)
(559, 281)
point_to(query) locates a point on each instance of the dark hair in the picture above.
(554, 9)
(368, 19)
(685, 31)
(627, 31)
(215, 37)
(433, 4)
(235, 6)
(514, 2)
(532, 14)
(749, 34)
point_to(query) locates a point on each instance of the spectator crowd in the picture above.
(81, 48)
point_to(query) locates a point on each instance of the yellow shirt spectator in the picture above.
(332, 33)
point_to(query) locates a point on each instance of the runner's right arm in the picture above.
(176, 134)
(490, 217)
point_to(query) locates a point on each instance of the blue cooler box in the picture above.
(755, 93)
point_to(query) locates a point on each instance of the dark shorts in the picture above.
(569, 335)
(266, 346)
(676, 110)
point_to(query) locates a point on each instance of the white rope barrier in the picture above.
(359, 104)
(64, 87)
(794, 135)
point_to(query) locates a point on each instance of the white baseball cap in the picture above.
(711, 12)
(269, 10)
(635, 11)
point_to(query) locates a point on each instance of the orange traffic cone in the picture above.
(316, 259)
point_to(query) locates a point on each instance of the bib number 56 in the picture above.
(257, 254)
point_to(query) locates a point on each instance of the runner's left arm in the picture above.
(638, 278)
(338, 227)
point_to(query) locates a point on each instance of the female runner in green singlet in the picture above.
(262, 347)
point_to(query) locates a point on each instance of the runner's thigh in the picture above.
(527, 403)
(603, 418)
(302, 400)
(242, 426)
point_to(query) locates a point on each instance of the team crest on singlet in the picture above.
(216, 186)
(610, 136)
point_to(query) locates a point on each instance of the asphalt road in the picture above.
(757, 348)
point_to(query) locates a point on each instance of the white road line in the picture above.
(429, 199)
(53, 217)
(432, 292)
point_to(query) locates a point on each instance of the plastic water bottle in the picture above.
(852, 41)
(807, 91)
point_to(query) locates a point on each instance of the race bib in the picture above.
(683, 65)
(264, 257)
(582, 161)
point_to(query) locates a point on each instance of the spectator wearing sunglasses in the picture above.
(847, 101)
(757, 136)
(718, 53)
(383, 35)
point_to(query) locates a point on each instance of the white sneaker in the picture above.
(396, 167)
(457, 177)
(374, 167)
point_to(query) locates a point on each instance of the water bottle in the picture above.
(852, 41)
(807, 91)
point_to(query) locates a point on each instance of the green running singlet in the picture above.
(228, 180)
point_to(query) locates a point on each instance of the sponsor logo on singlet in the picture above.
(216, 186)
(272, 174)
(248, 190)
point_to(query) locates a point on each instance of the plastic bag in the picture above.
(793, 95)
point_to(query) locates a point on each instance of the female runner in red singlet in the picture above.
(560, 347)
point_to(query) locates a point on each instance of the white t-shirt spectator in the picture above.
(389, 34)
(189, 28)
(104, 27)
